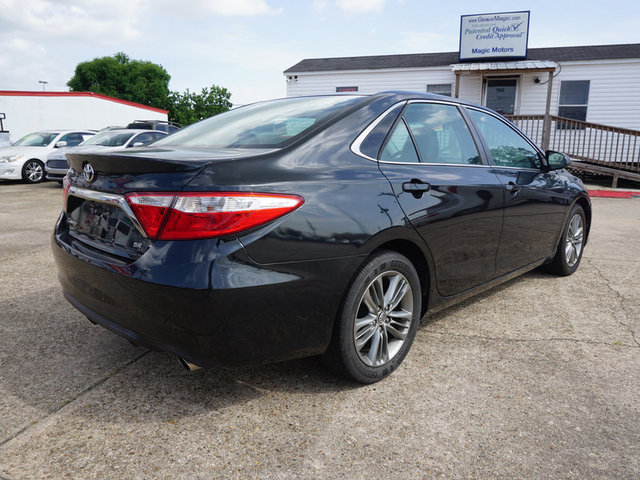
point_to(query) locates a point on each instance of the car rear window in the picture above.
(271, 124)
(110, 138)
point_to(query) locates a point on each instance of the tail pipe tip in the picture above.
(188, 365)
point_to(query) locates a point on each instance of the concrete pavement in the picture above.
(537, 378)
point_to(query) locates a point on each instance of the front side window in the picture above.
(508, 148)
(73, 139)
(574, 97)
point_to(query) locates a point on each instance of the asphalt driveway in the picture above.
(539, 378)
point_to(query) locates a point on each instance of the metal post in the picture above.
(546, 125)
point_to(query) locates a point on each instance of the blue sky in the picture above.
(244, 45)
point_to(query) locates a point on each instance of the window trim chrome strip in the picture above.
(109, 199)
(355, 145)
(427, 164)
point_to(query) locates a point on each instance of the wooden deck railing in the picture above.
(591, 143)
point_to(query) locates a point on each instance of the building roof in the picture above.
(537, 65)
(20, 93)
(423, 60)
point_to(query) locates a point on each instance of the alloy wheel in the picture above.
(573, 240)
(34, 172)
(383, 318)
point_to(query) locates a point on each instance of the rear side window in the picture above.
(371, 145)
(143, 138)
(437, 131)
(73, 139)
(399, 147)
(441, 134)
(508, 148)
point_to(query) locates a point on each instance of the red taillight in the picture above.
(65, 191)
(188, 216)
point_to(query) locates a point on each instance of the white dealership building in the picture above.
(597, 83)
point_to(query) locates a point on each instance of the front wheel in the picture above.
(571, 245)
(378, 319)
(33, 171)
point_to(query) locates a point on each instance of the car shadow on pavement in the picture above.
(55, 357)
(441, 315)
(61, 358)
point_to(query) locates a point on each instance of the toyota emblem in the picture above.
(88, 172)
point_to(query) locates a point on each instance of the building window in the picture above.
(439, 89)
(574, 96)
(346, 89)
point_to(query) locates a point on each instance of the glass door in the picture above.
(501, 95)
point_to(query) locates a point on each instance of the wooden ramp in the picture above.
(595, 148)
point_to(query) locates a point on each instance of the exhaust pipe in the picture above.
(188, 365)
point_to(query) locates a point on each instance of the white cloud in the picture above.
(23, 63)
(233, 8)
(42, 39)
(103, 21)
(358, 6)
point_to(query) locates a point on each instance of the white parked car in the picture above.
(25, 159)
(57, 165)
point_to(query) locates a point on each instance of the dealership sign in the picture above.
(494, 36)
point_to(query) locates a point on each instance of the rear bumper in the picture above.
(249, 313)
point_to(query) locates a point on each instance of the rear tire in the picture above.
(377, 321)
(571, 245)
(33, 171)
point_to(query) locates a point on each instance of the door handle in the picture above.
(416, 187)
(512, 188)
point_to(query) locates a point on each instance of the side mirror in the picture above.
(557, 160)
(61, 144)
(138, 144)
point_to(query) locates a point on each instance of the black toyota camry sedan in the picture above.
(318, 225)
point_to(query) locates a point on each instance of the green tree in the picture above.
(189, 107)
(120, 77)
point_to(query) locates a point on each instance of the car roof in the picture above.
(63, 131)
(409, 95)
(398, 95)
(133, 130)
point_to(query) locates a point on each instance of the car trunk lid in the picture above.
(98, 217)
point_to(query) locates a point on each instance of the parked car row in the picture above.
(41, 155)
(25, 159)
(57, 164)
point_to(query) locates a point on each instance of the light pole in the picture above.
(43, 82)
